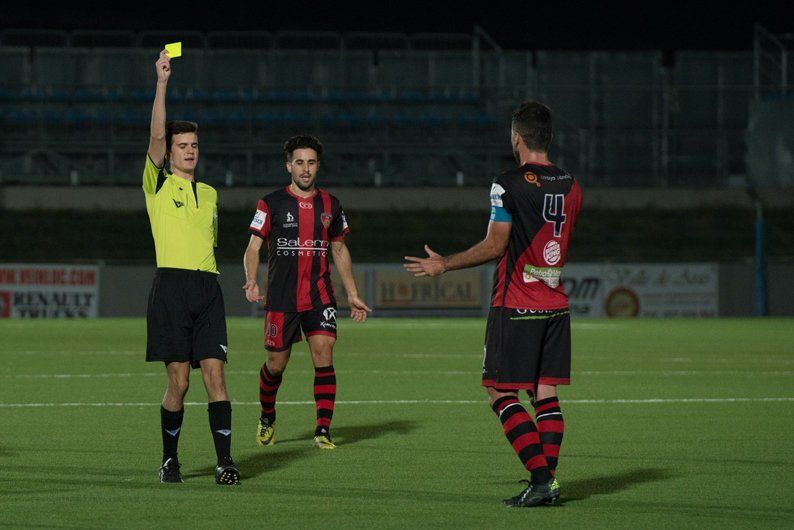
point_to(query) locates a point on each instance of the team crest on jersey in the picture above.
(531, 178)
(325, 218)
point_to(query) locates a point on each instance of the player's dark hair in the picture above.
(178, 127)
(302, 141)
(532, 121)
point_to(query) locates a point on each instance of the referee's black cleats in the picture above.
(535, 495)
(169, 472)
(227, 474)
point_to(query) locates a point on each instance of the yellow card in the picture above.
(174, 49)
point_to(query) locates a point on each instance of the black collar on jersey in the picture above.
(162, 175)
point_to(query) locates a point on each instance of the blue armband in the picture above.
(500, 215)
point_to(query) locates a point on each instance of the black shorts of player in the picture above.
(525, 348)
(282, 330)
(186, 320)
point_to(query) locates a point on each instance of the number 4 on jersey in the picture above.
(554, 211)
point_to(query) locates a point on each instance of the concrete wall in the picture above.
(124, 291)
(380, 199)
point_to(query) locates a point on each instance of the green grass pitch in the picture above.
(669, 423)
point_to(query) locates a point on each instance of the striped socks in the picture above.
(268, 387)
(550, 426)
(523, 436)
(324, 397)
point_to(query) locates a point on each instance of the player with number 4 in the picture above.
(528, 336)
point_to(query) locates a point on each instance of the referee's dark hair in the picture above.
(178, 127)
(532, 121)
(302, 141)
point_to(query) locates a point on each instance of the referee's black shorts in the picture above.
(525, 348)
(186, 320)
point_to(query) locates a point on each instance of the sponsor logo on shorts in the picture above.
(329, 314)
(259, 220)
(552, 253)
(223, 347)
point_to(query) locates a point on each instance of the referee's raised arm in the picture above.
(157, 146)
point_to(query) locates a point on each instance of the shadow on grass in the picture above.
(270, 458)
(261, 461)
(352, 434)
(577, 490)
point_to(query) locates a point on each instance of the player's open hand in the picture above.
(163, 66)
(358, 309)
(251, 289)
(432, 265)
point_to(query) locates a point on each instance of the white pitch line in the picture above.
(666, 373)
(684, 372)
(429, 402)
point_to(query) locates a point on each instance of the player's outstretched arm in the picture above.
(490, 248)
(344, 264)
(157, 134)
(251, 265)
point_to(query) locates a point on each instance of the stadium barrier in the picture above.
(596, 290)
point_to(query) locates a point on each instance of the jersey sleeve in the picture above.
(153, 176)
(338, 229)
(260, 224)
(501, 203)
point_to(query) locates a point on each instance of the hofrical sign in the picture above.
(49, 291)
(454, 290)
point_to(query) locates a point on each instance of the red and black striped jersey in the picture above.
(299, 232)
(542, 202)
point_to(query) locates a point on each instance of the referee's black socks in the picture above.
(171, 425)
(220, 413)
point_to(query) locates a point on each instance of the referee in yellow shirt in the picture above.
(186, 320)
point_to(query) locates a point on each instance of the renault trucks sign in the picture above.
(49, 291)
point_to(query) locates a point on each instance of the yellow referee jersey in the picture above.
(184, 219)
